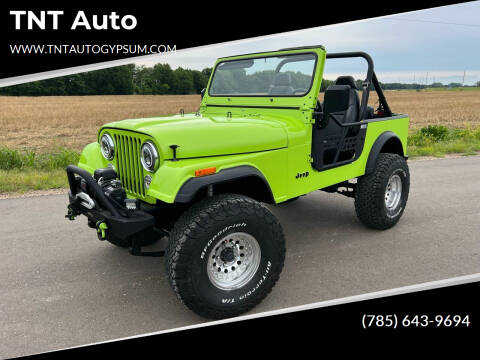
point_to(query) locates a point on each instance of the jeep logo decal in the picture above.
(302, 175)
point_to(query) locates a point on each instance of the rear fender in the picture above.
(387, 142)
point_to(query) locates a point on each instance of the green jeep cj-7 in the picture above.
(260, 136)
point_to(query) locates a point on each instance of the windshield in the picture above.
(285, 75)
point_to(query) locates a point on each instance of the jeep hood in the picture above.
(199, 136)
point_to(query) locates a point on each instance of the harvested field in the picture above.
(47, 123)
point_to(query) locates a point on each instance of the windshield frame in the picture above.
(264, 57)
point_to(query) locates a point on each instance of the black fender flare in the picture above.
(377, 148)
(190, 187)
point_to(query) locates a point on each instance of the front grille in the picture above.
(129, 167)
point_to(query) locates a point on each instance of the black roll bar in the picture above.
(371, 79)
(381, 96)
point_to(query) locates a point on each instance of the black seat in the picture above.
(282, 85)
(346, 80)
(342, 98)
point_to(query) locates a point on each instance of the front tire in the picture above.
(381, 196)
(225, 255)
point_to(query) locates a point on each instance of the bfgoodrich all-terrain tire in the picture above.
(224, 255)
(381, 196)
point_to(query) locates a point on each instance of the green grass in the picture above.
(21, 181)
(22, 171)
(438, 140)
(13, 159)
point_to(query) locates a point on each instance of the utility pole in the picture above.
(426, 79)
(463, 79)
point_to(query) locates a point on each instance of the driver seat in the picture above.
(281, 85)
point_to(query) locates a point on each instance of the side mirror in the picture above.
(202, 93)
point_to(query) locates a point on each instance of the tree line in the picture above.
(402, 86)
(160, 79)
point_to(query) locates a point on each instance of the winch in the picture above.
(112, 187)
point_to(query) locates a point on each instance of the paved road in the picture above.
(60, 287)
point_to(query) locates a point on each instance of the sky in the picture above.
(424, 46)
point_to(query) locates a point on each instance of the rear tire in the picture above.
(225, 255)
(381, 196)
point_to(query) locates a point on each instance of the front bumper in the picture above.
(110, 219)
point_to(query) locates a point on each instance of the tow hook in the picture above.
(70, 213)
(101, 229)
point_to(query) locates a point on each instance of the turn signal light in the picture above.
(206, 171)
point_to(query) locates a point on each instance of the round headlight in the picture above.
(108, 146)
(149, 156)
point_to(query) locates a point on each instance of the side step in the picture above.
(344, 188)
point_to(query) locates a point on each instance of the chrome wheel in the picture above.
(233, 261)
(393, 193)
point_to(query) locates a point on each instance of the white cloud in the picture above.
(401, 45)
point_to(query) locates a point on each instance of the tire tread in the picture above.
(370, 188)
(202, 215)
